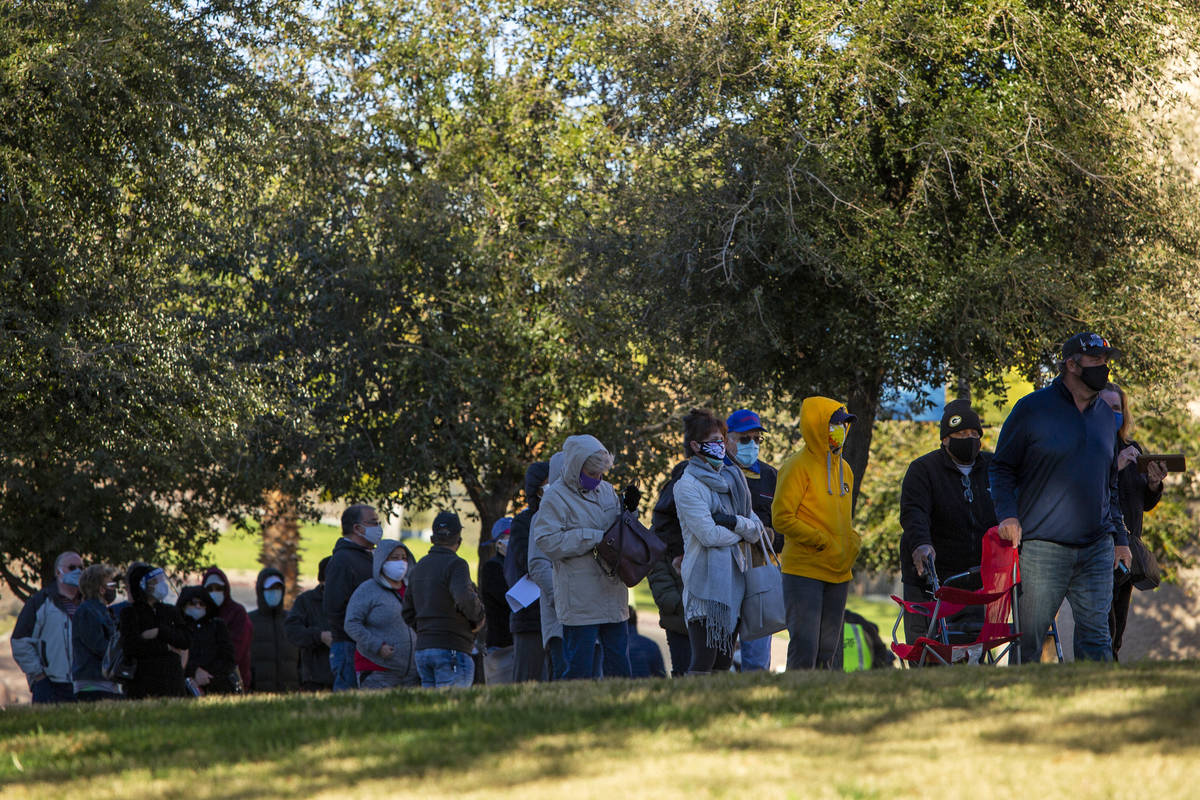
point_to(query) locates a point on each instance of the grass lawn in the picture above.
(1043, 731)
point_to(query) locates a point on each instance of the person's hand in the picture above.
(326, 638)
(1126, 457)
(725, 520)
(1155, 472)
(202, 677)
(1010, 531)
(151, 633)
(387, 651)
(1122, 555)
(632, 497)
(920, 555)
(41, 676)
(677, 564)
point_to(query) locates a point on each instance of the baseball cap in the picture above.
(1089, 344)
(744, 420)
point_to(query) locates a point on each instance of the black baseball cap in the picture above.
(1089, 344)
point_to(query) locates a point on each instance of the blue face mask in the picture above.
(747, 454)
(1120, 418)
(273, 597)
(72, 578)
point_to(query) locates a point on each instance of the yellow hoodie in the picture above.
(812, 502)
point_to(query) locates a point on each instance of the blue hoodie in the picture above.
(1055, 469)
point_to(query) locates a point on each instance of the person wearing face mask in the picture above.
(812, 510)
(274, 661)
(41, 639)
(498, 646)
(384, 643)
(945, 509)
(742, 446)
(154, 635)
(210, 662)
(592, 605)
(91, 629)
(308, 629)
(1054, 483)
(1138, 492)
(237, 620)
(718, 523)
(349, 566)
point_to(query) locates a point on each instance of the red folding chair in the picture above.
(1000, 574)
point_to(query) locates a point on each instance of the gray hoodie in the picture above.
(374, 618)
(569, 523)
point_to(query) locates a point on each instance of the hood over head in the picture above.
(260, 585)
(535, 476)
(577, 450)
(189, 593)
(380, 555)
(133, 581)
(218, 573)
(556, 467)
(815, 416)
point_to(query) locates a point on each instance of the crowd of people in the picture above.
(1064, 485)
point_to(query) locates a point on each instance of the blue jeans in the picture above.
(756, 654)
(341, 662)
(1082, 575)
(579, 650)
(441, 668)
(556, 661)
(814, 619)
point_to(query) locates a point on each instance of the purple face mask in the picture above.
(587, 483)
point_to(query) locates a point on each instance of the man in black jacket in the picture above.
(529, 656)
(349, 566)
(443, 606)
(308, 629)
(945, 509)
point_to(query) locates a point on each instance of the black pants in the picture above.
(706, 659)
(1118, 614)
(529, 657)
(680, 646)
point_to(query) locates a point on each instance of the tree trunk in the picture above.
(862, 402)
(281, 540)
(490, 507)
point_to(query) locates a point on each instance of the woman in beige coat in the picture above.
(592, 605)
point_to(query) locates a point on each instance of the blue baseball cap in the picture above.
(744, 420)
(500, 529)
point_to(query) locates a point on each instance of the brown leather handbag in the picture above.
(627, 550)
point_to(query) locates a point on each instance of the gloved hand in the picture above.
(632, 497)
(725, 520)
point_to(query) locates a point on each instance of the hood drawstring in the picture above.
(842, 489)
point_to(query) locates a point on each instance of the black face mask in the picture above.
(109, 596)
(964, 450)
(1095, 378)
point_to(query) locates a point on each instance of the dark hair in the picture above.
(351, 517)
(698, 425)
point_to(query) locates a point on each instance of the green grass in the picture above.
(1044, 731)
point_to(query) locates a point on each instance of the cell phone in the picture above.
(1175, 461)
(1121, 569)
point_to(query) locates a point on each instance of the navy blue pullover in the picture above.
(1055, 469)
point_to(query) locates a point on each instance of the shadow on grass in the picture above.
(330, 742)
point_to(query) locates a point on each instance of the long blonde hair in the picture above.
(1126, 417)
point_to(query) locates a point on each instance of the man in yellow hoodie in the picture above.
(812, 510)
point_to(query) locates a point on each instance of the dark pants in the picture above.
(1118, 615)
(680, 647)
(579, 650)
(529, 657)
(96, 695)
(706, 659)
(814, 619)
(556, 660)
(48, 691)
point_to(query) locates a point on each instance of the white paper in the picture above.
(522, 594)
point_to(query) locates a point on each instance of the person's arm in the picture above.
(541, 572)
(516, 561)
(1116, 520)
(665, 587)
(171, 627)
(88, 636)
(135, 645)
(695, 518)
(1005, 469)
(554, 538)
(408, 610)
(916, 507)
(789, 494)
(357, 611)
(337, 590)
(298, 628)
(466, 596)
(24, 641)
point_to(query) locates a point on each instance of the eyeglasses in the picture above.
(73, 568)
(967, 493)
(747, 438)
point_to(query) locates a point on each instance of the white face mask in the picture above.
(395, 570)
(195, 613)
(373, 534)
(217, 597)
(159, 592)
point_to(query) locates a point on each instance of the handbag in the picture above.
(627, 550)
(763, 609)
(116, 666)
(1145, 571)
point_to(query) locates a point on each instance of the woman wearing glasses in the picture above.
(945, 509)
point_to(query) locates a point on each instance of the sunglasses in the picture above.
(747, 438)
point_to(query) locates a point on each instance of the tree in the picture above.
(841, 197)
(123, 126)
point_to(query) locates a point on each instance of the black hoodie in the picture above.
(159, 672)
(349, 566)
(516, 562)
(211, 649)
(274, 661)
